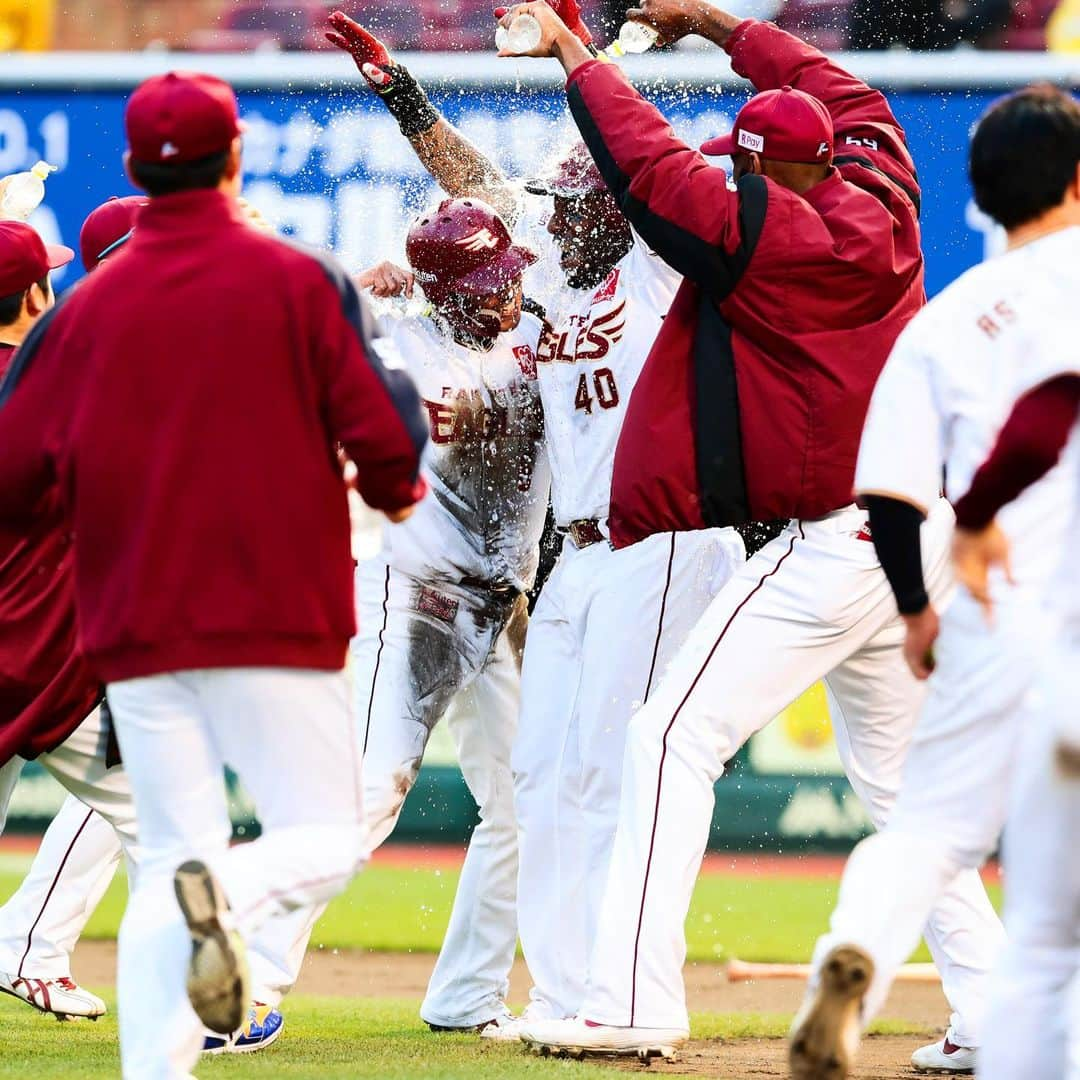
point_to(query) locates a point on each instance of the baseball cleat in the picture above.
(217, 979)
(63, 998)
(505, 1028)
(944, 1057)
(263, 1026)
(501, 1020)
(825, 1034)
(579, 1038)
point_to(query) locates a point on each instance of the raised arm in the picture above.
(770, 58)
(680, 204)
(458, 167)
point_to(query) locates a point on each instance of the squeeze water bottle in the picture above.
(520, 36)
(634, 37)
(24, 191)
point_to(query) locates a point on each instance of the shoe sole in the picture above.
(1068, 761)
(667, 1051)
(817, 1050)
(217, 980)
(60, 1015)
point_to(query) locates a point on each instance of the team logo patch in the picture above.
(478, 241)
(607, 289)
(526, 359)
(749, 141)
(169, 149)
(436, 604)
(823, 149)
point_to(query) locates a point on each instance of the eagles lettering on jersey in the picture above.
(469, 417)
(588, 337)
(486, 464)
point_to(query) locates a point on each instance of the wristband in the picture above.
(407, 102)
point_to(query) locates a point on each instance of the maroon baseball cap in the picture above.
(784, 125)
(26, 258)
(181, 116)
(108, 228)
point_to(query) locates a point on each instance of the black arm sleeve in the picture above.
(895, 526)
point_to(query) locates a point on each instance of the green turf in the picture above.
(326, 1037)
(406, 910)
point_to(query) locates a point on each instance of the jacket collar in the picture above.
(824, 190)
(186, 211)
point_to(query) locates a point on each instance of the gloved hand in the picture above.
(399, 91)
(570, 13)
(369, 54)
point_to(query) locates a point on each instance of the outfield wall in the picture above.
(325, 163)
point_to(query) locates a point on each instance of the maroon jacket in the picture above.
(752, 401)
(46, 688)
(188, 397)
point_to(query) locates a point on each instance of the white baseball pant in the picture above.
(1032, 1018)
(606, 626)
(289, 736)
(952, 803)
(42, 921)
(422, 646)
(813, 603)
(79, 764)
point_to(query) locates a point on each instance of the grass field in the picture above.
(391, 909)
(405, 910)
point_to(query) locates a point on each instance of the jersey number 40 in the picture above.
(604, 391)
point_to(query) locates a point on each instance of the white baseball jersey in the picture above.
(485, 464)
(588, 366)
(955, 374)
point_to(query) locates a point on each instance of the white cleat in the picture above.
(944, 1057)
(506, 1027)
(578, 1038)
(63, 998)
(218, 979)
(825, 1034)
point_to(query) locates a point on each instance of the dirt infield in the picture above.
(397, 975)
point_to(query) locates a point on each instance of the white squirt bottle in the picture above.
(24, 192)
(520, 36)
(634, 37)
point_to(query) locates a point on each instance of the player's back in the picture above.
(486, 462)
(983, 339)
(216, 368)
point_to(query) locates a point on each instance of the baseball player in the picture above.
(798, 278)
(235, 653)
(1033, 1029)
(442, 608)
(577, 693)
(77, 858)
(48, 697)
(938, 407)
